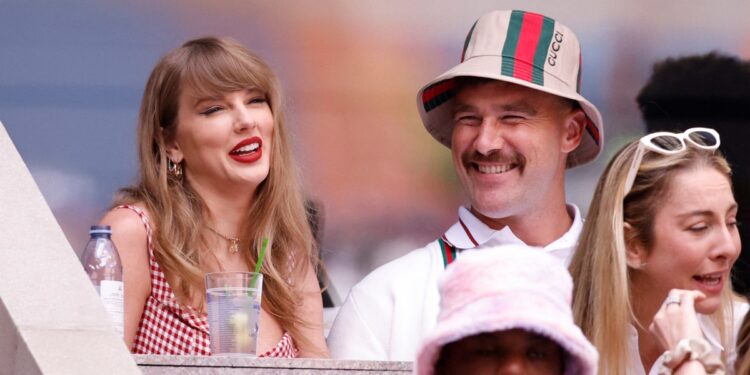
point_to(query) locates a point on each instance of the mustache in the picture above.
(497, 157)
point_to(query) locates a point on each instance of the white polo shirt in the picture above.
(387, 314)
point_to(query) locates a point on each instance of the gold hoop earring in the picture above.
(174, 169)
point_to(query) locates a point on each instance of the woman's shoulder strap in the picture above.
(146, 224)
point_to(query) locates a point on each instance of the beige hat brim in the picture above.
(439, 123)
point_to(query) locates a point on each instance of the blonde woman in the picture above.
(662, 218)
(216, 178)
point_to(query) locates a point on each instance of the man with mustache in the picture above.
(512, 115)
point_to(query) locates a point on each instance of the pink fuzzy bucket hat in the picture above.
(523, 48)
(504, 288)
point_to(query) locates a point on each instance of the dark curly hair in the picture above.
(710, 90)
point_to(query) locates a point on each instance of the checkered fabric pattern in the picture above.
(284, 349)
(167, 327)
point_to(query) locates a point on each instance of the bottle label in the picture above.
(112, 294)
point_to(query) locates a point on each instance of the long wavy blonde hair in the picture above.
(216, 66)
(602, 301)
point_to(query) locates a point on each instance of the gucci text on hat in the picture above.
(523, 48)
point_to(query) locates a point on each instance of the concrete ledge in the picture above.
(58, 351)
(51, 319)
(173, 364)
(17, 358)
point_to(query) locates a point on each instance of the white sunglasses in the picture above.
(667, 143)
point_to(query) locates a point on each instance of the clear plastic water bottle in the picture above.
(102, 263)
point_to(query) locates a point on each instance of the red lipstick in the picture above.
(249, 150)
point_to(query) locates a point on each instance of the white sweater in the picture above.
(388, 313)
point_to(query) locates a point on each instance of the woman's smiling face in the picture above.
(224, 140)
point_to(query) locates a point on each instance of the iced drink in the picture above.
(233, 311)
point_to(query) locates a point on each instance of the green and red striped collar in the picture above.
(470, 232)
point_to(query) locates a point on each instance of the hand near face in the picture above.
(676, 321)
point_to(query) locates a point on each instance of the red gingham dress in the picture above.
(168, 327)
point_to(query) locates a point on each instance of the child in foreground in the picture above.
(506, 310)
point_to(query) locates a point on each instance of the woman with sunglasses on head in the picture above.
(661, 225)
(217, 183)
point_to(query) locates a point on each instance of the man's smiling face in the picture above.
(509, 146)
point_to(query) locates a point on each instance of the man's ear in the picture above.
(575, 122)
(174, 153)
(635, 253)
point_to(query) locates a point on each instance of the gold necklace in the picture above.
(235, 247)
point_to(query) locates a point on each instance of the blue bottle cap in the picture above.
(100, 229)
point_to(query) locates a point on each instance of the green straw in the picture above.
(260, 262)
